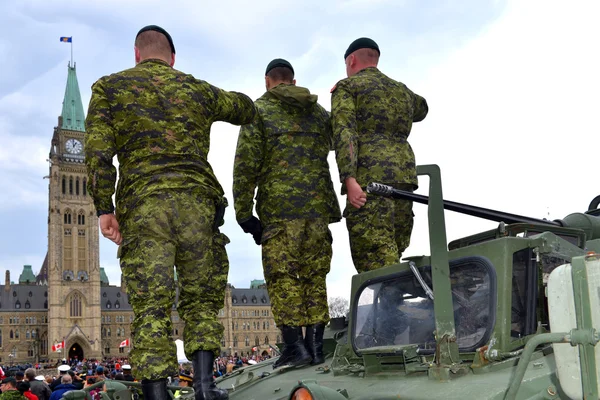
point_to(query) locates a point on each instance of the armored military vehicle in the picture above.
(504, 314)
(510, 313)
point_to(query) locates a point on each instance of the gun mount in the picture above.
(589, 221)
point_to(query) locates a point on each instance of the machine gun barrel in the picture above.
(480, 212)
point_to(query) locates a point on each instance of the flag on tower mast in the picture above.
(68, 39)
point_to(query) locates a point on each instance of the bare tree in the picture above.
(338, 307)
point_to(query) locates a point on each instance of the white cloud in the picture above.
(512, 106)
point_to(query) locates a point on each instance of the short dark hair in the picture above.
(153, 42)
(281, 74)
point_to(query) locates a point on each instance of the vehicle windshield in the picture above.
(396, 311)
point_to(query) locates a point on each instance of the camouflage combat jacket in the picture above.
(284, 152)
(372, 116)
(157, 121)
(12, 395)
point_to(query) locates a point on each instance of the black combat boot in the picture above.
(204, 384)
(155, 389)
(294, 353)
(313, 340)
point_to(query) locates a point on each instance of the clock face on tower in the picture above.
(73, 146)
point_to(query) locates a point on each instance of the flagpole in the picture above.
(72, 65)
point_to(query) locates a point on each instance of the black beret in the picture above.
(9, 379)
(185, 377)
(361, 43)
(158, 29)
(279, 62)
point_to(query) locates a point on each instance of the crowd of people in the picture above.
(31, 383)
(34, 383)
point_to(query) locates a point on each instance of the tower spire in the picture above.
(73, 117)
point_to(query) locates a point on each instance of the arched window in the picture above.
(235, 342)
(103, 332)
(70, 185)
(33, 333)
(222, 341)
(44, 344)
(247, 341)
(64, 185)
(46, 304)
(27, 304)
(77, 186)
(75, 305)
(108, 332)
(108, 304)
(84, 187)
(266, 340)
(17, 334)
(18, 304)
(117, 304)
(27, 334)
(256, 341)
(67, 218)
(11, 335)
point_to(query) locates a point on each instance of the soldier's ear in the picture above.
(172, 59)
(294, 82)
(137, 55)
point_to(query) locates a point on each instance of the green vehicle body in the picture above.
(470, 321)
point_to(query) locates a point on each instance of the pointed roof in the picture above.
(42, 276)
(73, 117)
(103, 277)
(27, 275)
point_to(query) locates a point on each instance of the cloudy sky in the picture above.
(511, 85)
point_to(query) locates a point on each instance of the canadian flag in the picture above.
(124, 343)
(58, 346)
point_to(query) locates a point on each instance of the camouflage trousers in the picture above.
(166, 230)
(296, 256)
(379, 231)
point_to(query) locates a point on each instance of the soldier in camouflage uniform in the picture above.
(9, 390)
(157, 121)
(284, 153)
(372, 116)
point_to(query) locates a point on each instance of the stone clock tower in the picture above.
(73, 242)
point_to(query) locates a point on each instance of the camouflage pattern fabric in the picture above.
(296, 257)
(379, 231)
(284, 152)
(372, 117)
(157, 121)
(166, 229)
(12, 395)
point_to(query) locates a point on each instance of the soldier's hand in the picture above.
(356, 196)
(110, 228)
(252, 226)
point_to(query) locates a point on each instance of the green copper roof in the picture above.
(73, 117)
(256, 283)
(103, 277)
(27, 275)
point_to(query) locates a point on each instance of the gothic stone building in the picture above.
(70, 299)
